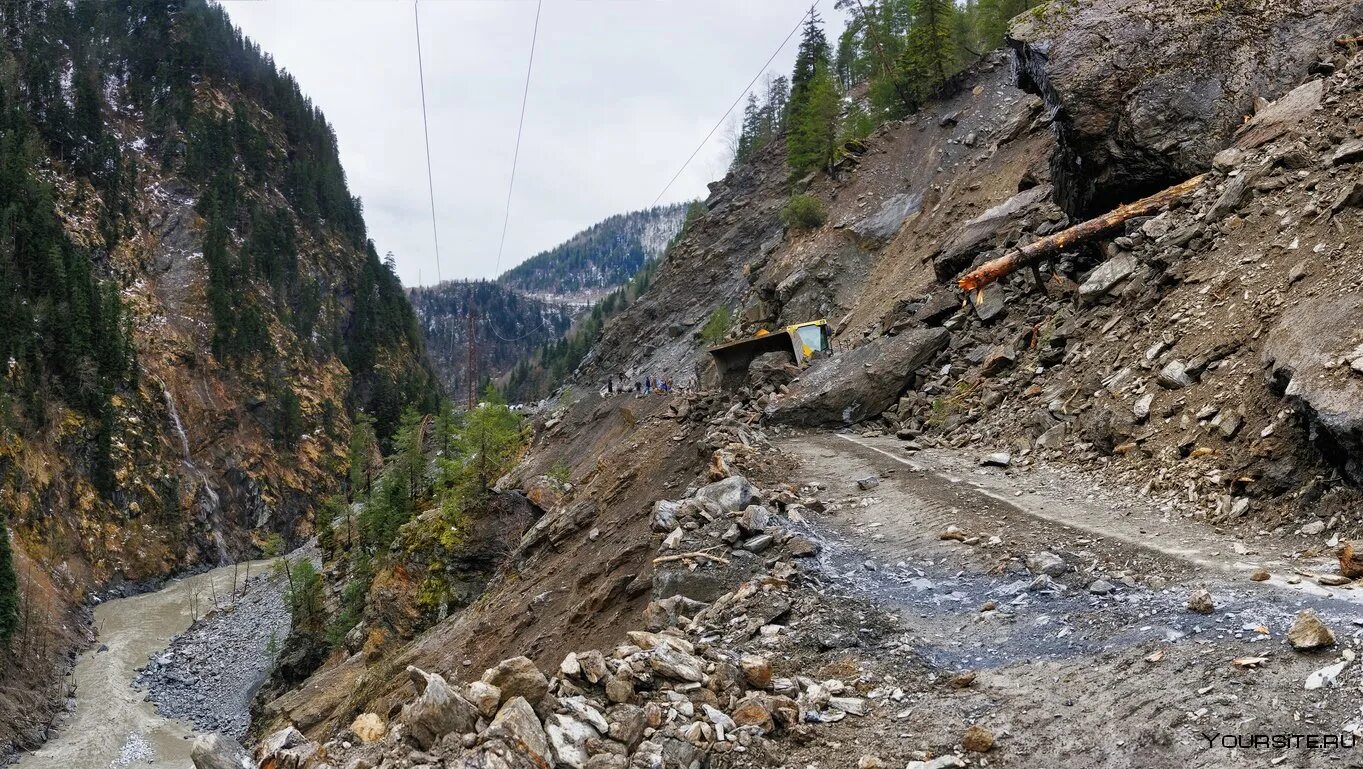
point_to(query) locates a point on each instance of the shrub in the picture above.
(717, 327)
(804, 212)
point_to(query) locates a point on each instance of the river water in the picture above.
(113, 726)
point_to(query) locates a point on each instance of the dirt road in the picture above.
(1102, 665)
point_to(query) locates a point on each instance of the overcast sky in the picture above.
(622, 92)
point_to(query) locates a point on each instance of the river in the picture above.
(114, 726)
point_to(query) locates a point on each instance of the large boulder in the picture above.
(518, 677)
(1145, 93)
(215, 751)
(987, 230)
(1309, 353)
(851, 386)
(438, 710)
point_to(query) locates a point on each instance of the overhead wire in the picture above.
(741, 94)
(426, 132)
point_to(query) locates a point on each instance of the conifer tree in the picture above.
(814, 125)
(812, 55)
(9, 585)
(929, 54)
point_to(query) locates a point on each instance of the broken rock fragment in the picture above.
(1309, 632)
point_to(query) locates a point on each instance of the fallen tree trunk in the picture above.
(1348, 41)
(1053, 244)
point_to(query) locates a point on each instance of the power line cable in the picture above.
(729, 111)
(426, 131)
(520, 125)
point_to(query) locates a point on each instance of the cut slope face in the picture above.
(1146, 93)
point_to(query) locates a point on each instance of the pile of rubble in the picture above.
(696, 689)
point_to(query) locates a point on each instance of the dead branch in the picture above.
(687, 556)
(1345, 42)
(1067, 238)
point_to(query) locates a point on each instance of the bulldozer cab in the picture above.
(799, 342)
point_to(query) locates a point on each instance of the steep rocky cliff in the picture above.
(192, 312)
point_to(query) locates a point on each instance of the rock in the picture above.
(1282, 115)
(987, 230)
(671, 662)
(215, 751)
(1351, 559)
(1107, 275)
(518, 677)
(941, 762)
(756, 671)
(802, 547)
(754, 519)
(437, 710)
(759, 543)
(1300, 350)
(619, 689)
(1259, 575)
(1046, 563)
(730, 495)
(627, 724)
(998, 359)
(1141, 409)
(568, 740)
(847, 387)
(1313, 528)
(989, 302)
(1138, 89)
(753, 712)
(285, 749)
(368, 727)
(997, 459)
(977, 739)
(1309, 632)
(485, 697)
(665, 515)
(1174, 376)
(1201, 602)
(1349, 152)
(868, 483)
(1101, 587)
(886, 222)
(517, 725)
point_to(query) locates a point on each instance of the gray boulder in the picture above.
(851, 386)
(215, 751)
(881, 226)
(437, 710)
(731, 494)
(987, 230)
(1303, 351)
(1145, 94)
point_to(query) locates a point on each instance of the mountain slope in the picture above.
(508, 324)
(593, 262)
(196, 311)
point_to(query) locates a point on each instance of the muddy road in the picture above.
(1103, 664)
(114, 725)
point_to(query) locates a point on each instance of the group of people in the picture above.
(647, 386)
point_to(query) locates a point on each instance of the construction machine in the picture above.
(800, 341)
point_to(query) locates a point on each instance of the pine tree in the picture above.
(929, 54)
(812, 55)
(814, 125)
(9, 585)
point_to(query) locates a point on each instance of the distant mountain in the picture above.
(599, 259)
(508, 324)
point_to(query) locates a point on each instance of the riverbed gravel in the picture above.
(208, 674)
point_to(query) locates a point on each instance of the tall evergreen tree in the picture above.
(814, 124)
(812, 55)
(9, 585)
(929, 52)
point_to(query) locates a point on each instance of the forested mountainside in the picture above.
(599, 259)
(192, 313)
(507, 326)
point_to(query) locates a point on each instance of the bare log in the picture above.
(1053, 244)
(1344, 42)
(690, 556)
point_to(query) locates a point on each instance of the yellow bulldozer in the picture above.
(800, 341)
